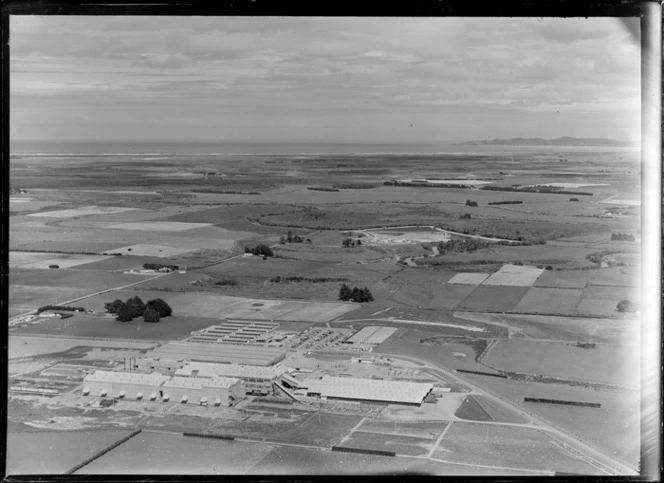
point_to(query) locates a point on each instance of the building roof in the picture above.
(153, 379)
(220, 382)
(220, 353)
(184, 382)
(369, 389)
(371, 335)
(207, 369)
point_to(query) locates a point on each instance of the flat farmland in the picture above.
(43, 260)
(82, 211)
(208, 305)
(550, 301)
(494, 298)
(403, 445)
(614, 276)
(605, 363)
(29, 297)
(168, 226)
(612, 293)
(598, 307)
(171, 454)
(86, 281)
(147, 250)
(438, 295)
(54, 452)
(234, 216)
(329, 255)
(507, 446)
(619, 414)
(571, 329)
(168, 328)
(73, 246)
(481, 408)
(514, 275)
(564, 279)
(125, 262)
(469, 278)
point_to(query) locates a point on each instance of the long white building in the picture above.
(221, 391)
(360, 389)
(256, 379)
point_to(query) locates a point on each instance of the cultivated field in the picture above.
(493, 298)
(513, 275)
(82, 211)
(469, 278)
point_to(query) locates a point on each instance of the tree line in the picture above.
(260, 250)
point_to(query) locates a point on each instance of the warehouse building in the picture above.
(256, 379)
(221, 391)
(235, 332)
(173, 354)
(359, 389)
(371, 335)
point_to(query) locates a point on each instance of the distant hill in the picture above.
(563, 141)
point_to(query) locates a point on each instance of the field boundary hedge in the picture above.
(210, 436)
(363, 451)
(102, 452)
(560, 401)
(480, 373)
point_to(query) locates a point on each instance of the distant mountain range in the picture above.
(563, 141)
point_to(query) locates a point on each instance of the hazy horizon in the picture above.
(344, 80)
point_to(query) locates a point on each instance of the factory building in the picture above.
(221, 391)
(371, 335)
(174, 354)
(359, 389)
(256, 379)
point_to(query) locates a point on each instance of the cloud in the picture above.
(161, 61)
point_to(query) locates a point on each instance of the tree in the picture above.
(159, 306)
(345, 292)
(626, 306)
(124, 314)
(471, 203)
(151, 315)
(282, 240)
(289, 236)
(113, 307)
(136, 306)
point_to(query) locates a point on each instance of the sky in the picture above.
(188, 79)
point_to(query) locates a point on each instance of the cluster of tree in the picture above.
(159, 266)
(471, 203)
(424, 184)
(355, 294)
(627, 306)
(586, 345)
(574, 199)
(226, 192)
(295, 278)
(60, 307)
(321, 188)
(126, 311)
(535, 189)
(225, 282)
(462, 245)
(290, 238)
(622, 237)
(355, 186)
(260, 250)
(350, 243)
(505, 202)
(465, 216)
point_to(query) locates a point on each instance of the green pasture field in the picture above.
(86, 281)
(73, 246)
(329, 255)
(208, 305)
(507, 446)
(615, 276)
(403, 445)
(234, 216)
(29, 297)
(564, 279)
(598, 307)
(619, 414)
(173, 454)
(125, 262)
(54, 452)
(497, 412)
(432, 295)
(168, 328)
(493, 298)
(605, 363)
(420, 429)
(570, 329)
(563, 301)
(612, 293)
